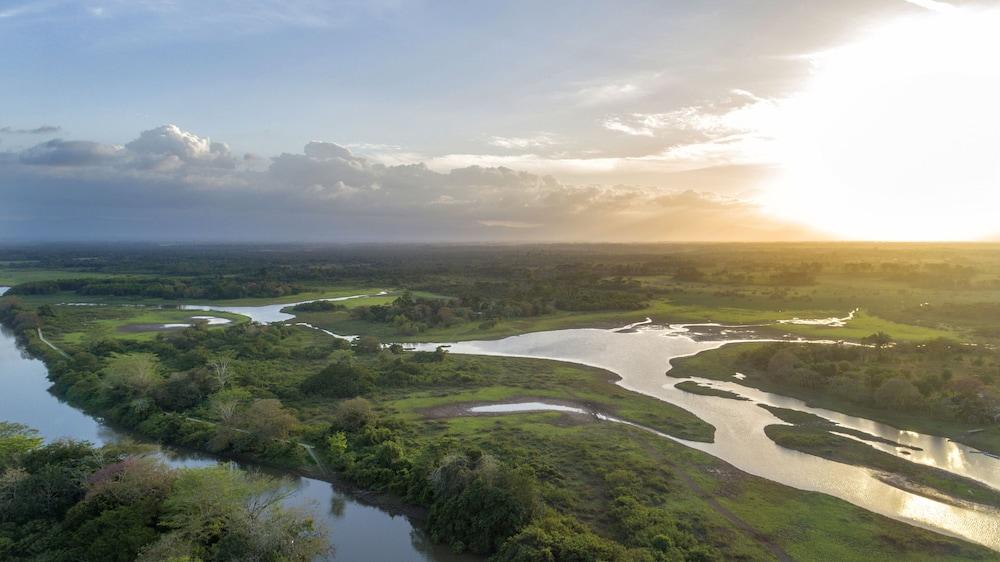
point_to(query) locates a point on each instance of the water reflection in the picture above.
(641, 356)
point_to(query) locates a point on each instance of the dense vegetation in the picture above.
(941, 379)
(214, 287)
(67, 501)
(543, 486)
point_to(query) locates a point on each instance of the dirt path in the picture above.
(52, 345)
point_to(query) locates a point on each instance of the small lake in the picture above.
(356, 530)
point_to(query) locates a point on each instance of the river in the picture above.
(357, 531)
(641, 356)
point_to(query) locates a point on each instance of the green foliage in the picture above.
(555, 538)
(343, 379)
(68, 501)
(15, 441)
(480, 502)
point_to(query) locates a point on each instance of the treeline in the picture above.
(67, 501)
(161, 288)
(486, 303)
(940, 378)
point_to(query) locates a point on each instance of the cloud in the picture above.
(616, 124)
(535, 141)
(169, 147)
(43, 130)
(738, 129)
(88, 190)
(609, 92)
(70, 153)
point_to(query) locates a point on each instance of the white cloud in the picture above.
(535, 141)
(736, 130)
(168, 147)
(608, 92)
(616, 124)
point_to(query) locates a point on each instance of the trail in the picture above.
(52, 345)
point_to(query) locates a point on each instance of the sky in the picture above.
(427, 121)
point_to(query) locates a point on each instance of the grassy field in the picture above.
(13, 276)
(74, 325)
(864, 324)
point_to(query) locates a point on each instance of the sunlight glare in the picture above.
(897, 136)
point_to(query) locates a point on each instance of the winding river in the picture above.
(640, 355)
(357, 531)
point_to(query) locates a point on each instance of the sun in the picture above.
(897, 135)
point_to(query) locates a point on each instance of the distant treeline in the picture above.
(221, 269)
(161, 288)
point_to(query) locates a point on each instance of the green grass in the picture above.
(13, 276)
(864, 324)
(75, 324)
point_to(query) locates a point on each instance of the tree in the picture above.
(367, 344)
(15, 440)
(267, 419)
(352, 415)
(879, 340)
(134, 374)
(342, 379)
(220, 366)
(480, 502)
(232, 514)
